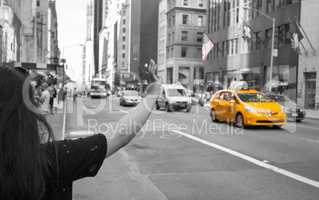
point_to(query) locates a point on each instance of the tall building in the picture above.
(10, 31)
(53, 46)
(143, 35)
(88, 70)
(41, 27)
(162, 39)
(241, 31)
(123, 39)
(186, 24)
(109, 40)
(128, 40)
(28, 33)
(28, 42)
(97, 27)
(308, 76)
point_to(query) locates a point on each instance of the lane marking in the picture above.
(307, 127)
(253, 160)
(145, 183)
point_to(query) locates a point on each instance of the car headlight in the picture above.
(250, 109)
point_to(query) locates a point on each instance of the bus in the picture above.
(99, 88)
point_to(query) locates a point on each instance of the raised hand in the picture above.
(155, 83)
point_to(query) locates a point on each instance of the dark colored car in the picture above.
(293, 111)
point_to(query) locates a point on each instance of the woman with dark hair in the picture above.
(32, 165)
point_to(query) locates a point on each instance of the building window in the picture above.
(123, 46)
(201, 3)
(173, 3)
(258, 40)
(184, 36)
(172, 52)
(124, 30)
(236, 45)
(223, 48)
(200, 21)
(268, 36)
(124, 21)
(123, 55)
(269, 6)
(173, 37)
(184, 52)
(199, 52)
(185, 2)
(38, 3)
(200, 37)
(284, 34)
(185, 19)
(173, 20)
(168, 38)
(123, 38)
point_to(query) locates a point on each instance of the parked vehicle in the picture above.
(130, 97)
(173, 97)
(99, 88)
(246, 108)
(293, 111)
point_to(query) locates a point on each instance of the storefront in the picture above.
(310, 90)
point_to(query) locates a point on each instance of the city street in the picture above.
(183, 155)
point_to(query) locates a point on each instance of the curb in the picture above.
(64, 119)
(313, 118)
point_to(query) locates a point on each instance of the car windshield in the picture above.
(278, 98)
(254, 97)
(176, 92)
(130, 93)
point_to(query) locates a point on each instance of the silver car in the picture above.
(293, 111)
(130, 98)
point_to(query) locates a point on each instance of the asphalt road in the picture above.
(183, 155)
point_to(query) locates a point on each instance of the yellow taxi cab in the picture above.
(246, 108)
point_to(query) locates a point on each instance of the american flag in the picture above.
(208, 45)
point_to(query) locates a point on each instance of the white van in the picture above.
(173, 97)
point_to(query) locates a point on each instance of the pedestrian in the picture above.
(53, 94)
(75, 95)
(45, 98)
(36, 167)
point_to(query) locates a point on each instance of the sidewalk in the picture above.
(56, 122)
(312, 114)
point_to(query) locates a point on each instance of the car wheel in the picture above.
(277, 127)
(169, 107)
(240, 121)
(189, 108)
(298, 120)
(213, 116)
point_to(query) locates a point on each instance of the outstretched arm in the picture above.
(134, 120)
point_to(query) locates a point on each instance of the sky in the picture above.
(71, 32)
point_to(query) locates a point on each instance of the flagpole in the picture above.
(271, 64)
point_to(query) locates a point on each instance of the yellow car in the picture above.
(246, 108)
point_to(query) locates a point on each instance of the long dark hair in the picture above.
(22, 163)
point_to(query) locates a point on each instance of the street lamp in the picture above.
(272, 42)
